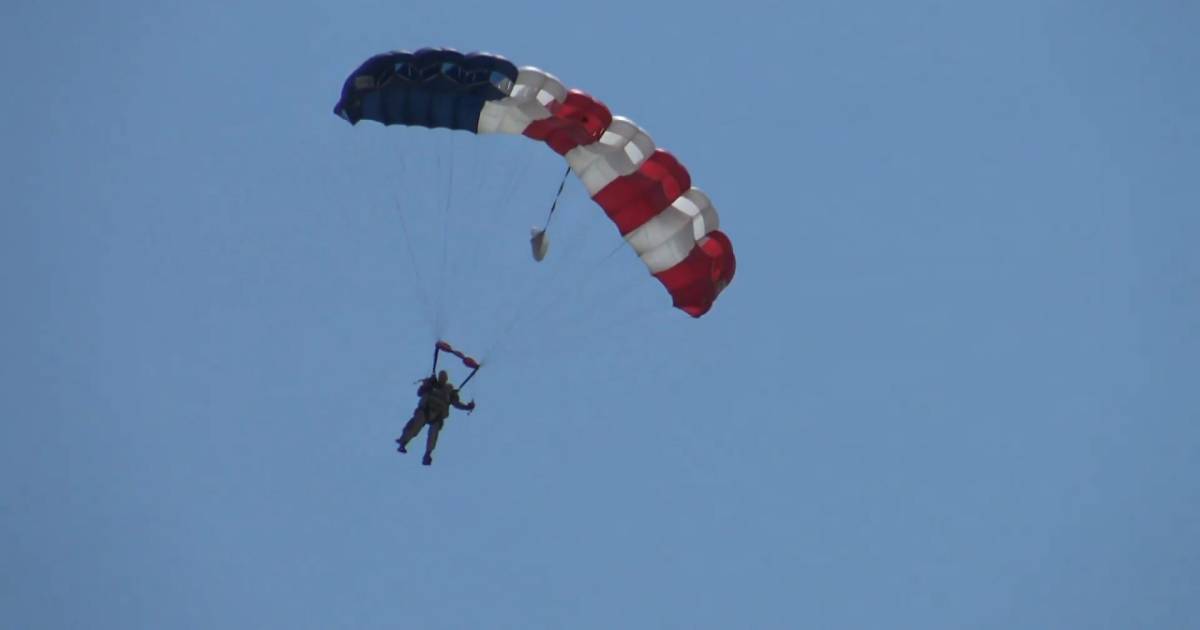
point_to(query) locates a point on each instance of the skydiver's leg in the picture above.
(411, 429)
(431, 438)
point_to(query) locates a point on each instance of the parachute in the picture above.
(644, 190)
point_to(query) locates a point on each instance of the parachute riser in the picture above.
(442, 346)
(468, 379)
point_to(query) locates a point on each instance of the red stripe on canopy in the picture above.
(636, 198)
(579, 119)
(697, 281)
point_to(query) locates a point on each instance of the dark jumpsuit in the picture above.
(432, 410)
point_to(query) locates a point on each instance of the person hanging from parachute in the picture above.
(436, 396)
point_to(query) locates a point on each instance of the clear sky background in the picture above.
(953, 384)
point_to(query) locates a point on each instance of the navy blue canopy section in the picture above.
(432, 87)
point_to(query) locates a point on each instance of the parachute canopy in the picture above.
(644, 190)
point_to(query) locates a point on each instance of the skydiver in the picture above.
(437, 395)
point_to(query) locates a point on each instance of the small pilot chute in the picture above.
(539, 241)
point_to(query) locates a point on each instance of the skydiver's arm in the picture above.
(458, 404)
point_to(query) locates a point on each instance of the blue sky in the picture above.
(952, 384)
